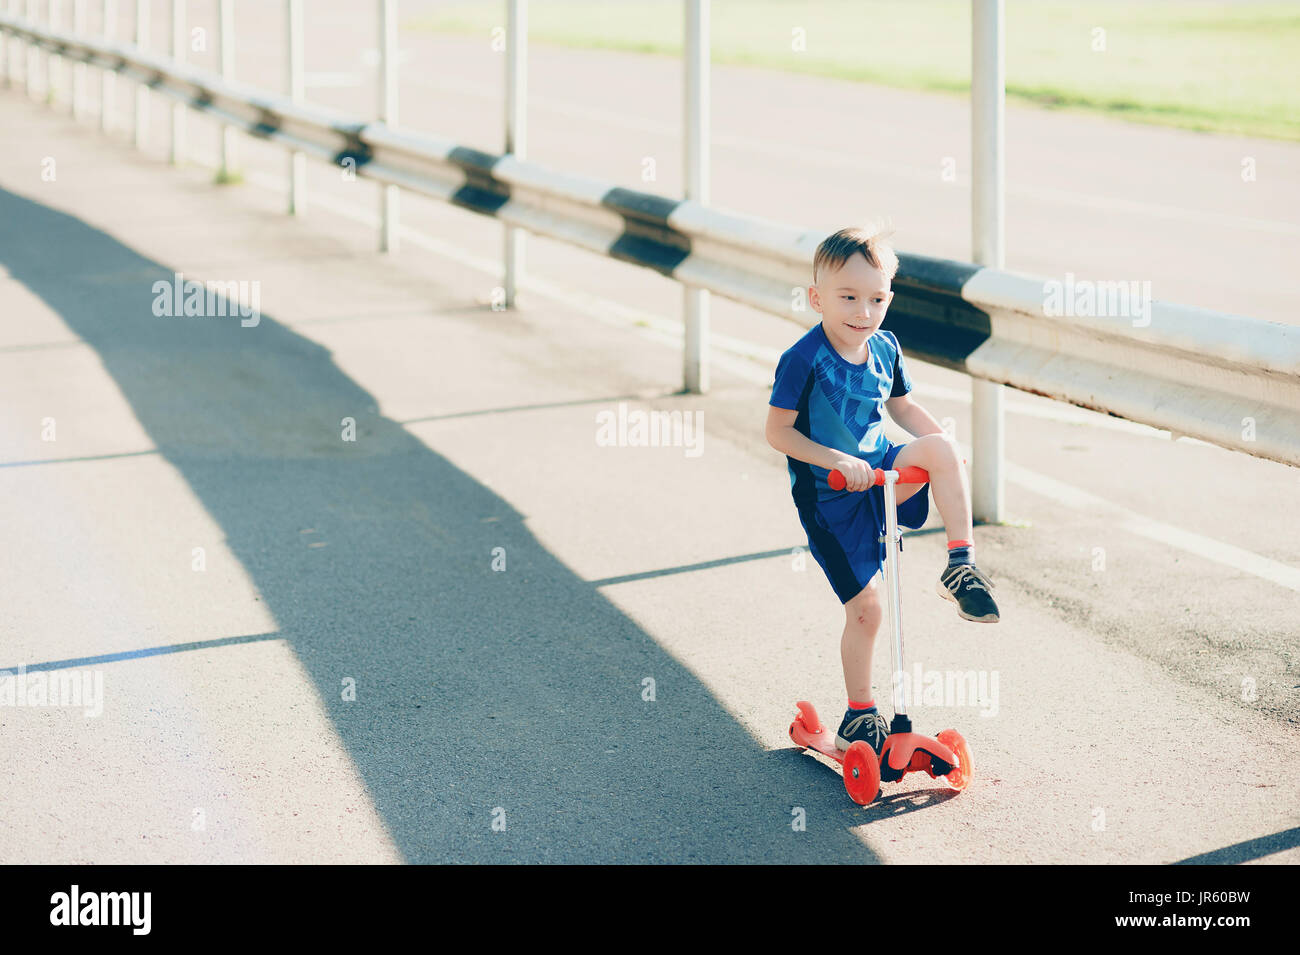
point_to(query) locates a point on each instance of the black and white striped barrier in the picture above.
(1226, 379)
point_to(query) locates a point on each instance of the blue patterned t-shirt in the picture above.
(839, 403)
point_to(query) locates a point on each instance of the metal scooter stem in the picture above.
(893, 595)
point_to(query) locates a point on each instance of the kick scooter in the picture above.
(904, 751)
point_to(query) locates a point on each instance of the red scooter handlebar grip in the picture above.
(908, 475)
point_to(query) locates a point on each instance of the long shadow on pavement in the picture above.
(475, 689)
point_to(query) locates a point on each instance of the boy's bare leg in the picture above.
(862, 616)
(965, 585)
(939, 455)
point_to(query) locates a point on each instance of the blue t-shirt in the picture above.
(839, 403)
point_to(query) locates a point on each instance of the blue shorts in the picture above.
(844, 532)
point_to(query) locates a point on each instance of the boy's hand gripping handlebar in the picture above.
(909, 475)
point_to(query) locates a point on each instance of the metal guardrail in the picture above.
(1226, 379)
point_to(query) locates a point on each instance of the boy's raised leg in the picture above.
(961, 581)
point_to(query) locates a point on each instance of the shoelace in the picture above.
(971, 577)
(882, 726)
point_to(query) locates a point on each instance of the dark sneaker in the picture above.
(866, 725)
(967, 587)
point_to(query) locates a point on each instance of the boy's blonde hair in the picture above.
(837, 249)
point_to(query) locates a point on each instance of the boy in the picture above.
(825, 415)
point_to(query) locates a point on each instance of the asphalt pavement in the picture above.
(363, 583)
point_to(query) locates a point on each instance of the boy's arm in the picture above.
(782, 436)
(911, 417)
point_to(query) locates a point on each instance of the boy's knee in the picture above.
(866, 606)
(943, 449)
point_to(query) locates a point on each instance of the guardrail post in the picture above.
(229, 134)
(179, 41)
(79, 69)
(141, 91)
(297, 93)
(516, 132)
(13, 50)
(388, 219)
(988, 174)
(33, 55)
(53, 63)
(107, 77)
(695, 301)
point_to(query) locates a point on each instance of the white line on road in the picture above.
(331, 80)
(1207, 547)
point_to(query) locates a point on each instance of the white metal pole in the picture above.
(988, 174)
(33, 54)
(695, 301)
(297, 160)
(893, 590)
(388, 211)
(141, 91)
(79, 69)
(53, 64)
(107, 77)
(516, 132)
(229, 134)
(179, 41)
(15, 51)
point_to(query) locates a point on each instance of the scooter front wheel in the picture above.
(861, 773)
(959, 778)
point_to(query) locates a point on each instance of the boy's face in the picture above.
(852, 300)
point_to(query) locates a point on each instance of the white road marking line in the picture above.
(332, 80)
(370, 56)
(1206, 547)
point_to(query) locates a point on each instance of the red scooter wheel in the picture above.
(861, 773)
(961, 776)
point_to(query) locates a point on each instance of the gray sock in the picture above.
(961, 555)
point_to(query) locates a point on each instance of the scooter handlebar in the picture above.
(908, 475)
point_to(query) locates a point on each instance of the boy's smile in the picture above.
(852, 301)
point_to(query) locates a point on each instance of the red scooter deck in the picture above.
(903, 753)
(807, 731)
(861, 766)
